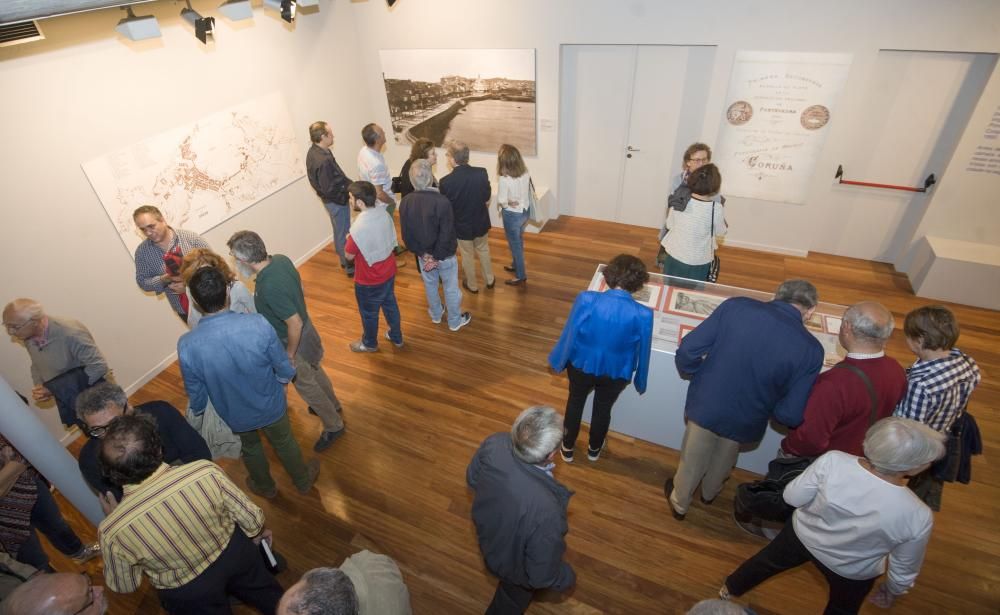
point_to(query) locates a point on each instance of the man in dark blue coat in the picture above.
(519, 510)
(749, 361)
(104, 402)
(468, 189)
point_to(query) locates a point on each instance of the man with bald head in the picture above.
(61, 593)
(65, 359)
(840, 407)
(844, 402)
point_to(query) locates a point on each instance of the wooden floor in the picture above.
(395, 482)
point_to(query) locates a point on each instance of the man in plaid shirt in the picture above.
(939, 385)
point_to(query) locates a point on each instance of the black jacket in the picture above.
(468, 189)
(428, 224)
(520, 516)
(181, 444)
(325, 175)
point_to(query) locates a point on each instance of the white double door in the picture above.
(627, 114)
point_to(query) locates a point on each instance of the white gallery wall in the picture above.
(84, 92)
(847, 221)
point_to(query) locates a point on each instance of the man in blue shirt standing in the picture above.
(238, 362)
(749, 361)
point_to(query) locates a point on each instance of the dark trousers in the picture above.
(370, 300)
(238, 571)
(606, 391)
(47, 518)
(510, 599)
(787, 551)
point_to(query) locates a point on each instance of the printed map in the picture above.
(202, 174)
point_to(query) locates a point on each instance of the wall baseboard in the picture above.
(313, 250)
(766, 248)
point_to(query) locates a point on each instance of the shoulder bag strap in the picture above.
(868, 385)
(711, 237)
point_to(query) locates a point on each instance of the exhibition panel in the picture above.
(679, 305)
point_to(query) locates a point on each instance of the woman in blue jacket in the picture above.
(606, 341)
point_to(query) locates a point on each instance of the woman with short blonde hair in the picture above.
(240, 297)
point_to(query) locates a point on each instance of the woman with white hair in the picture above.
(853, 514)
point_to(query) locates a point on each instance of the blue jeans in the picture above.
(513, 227)
(47, 518)
(447, 274)
(340, 218)
(370, 299)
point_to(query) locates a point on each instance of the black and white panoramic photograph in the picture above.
(484, 97)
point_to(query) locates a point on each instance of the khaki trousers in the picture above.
(481, 247)
(315, 388)
(706, 458)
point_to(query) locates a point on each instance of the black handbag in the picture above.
(397, 185)
(764, 498)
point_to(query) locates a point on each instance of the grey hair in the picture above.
(895, 444)
(325, 591)
(369, 134)
(458, 151)
(29, 309)
(247, 246)
(421, 175)
(715, 606)
(536, 433)
(800, 292)
(99, 397)
(866, 324)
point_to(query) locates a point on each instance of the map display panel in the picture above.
(201, 174)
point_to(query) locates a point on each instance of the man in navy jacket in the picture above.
(519, 510)
(749, 361)
(468, 189)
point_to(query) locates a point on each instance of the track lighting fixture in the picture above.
(236, 10)
(137, 28)
(203, 26)
(285, 7)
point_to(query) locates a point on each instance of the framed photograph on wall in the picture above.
(483, 97)
(691, 303)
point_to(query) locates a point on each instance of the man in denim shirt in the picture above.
(238, 362)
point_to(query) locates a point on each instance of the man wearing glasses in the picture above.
(64, 356)
(59, 593)
(103, 403)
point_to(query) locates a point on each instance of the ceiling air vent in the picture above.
(17, 33)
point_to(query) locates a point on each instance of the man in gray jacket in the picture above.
(522, 543)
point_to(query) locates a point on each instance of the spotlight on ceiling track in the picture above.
(137, 28)
(303, 3)
(203, 26)
(390, 2)
(285, 7)
(236, 10)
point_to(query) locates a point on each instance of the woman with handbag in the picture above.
(605, 345)
(695, 156)
(514, 195)
(422, 149)
(690, 244)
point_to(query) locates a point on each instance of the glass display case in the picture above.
(679, 305)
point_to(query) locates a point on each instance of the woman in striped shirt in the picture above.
(690, 242)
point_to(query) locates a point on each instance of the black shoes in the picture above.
(466, 287)
(509, 268)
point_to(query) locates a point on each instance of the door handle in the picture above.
(632, 149)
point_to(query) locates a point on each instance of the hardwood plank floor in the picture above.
(395, 482)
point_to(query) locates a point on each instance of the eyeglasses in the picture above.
(100, 430)
(90, 595)
(12, 328)
(698, 160)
